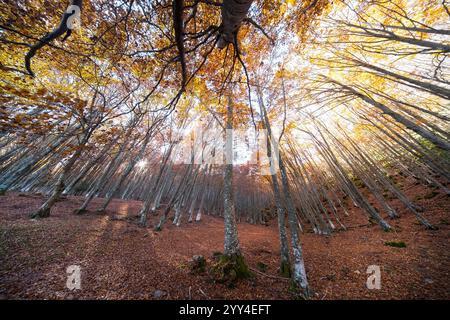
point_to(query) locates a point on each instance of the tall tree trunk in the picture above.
(146, 206)
(231, 243)
(299, 272)
(285, 268)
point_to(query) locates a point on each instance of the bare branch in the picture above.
(257, 26)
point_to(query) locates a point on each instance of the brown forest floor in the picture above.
(120, 260)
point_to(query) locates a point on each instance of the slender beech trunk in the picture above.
(146, 206)
(299, 272)
(438, 142)
(130, 166)
(285, 268)
(44, 210)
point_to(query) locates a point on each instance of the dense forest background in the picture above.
(245, 125)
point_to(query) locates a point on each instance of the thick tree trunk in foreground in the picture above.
(233, 13)
(231, 265)
(231, 243)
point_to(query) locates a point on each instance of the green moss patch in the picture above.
(230, 269)
(198, 264)
(262, 266)
(285, 269)
(395, 244)
(298, 293)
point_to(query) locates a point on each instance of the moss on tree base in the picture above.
(230, 269)
(285, 269)
(41, 213)
(261, 266)
(79, 211)
(298, 292)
